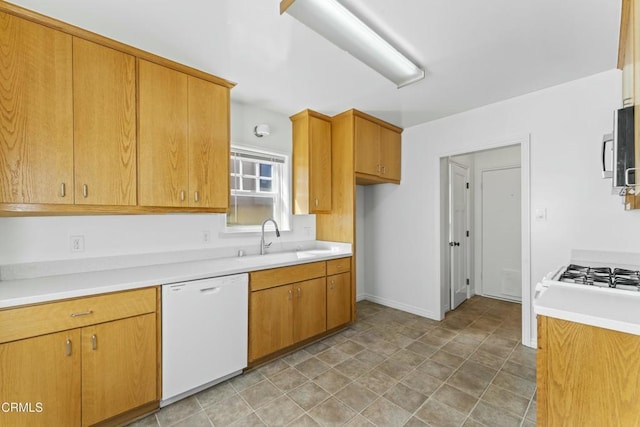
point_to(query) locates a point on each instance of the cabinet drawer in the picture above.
(337, 266)
(285, 275)
(25, 322)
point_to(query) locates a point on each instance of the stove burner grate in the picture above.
(602, 276)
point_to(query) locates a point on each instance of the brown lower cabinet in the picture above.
(290, 305)
(586, 376)
(59, 368)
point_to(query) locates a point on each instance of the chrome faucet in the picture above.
(264, 245)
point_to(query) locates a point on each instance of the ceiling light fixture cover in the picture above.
(334, 22)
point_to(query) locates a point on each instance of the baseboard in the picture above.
(400, 306)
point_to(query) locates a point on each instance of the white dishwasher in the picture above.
(204, 334)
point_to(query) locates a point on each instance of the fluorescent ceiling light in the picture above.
(334, 22)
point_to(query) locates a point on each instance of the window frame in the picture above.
(284, 198)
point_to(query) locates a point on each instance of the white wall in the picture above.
(565, 124)
(47, 238)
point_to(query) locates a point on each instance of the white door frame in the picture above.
(467, 260)
(525, 164)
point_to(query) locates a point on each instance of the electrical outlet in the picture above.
(76, 243)
(206, 236)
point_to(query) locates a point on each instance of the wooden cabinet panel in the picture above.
(338, 300)
(118, 367)
(582, 364)
(309, 309)
(24, 322)
(163, 176)
(104, 99)
(208, 144)
(312, 171)
(36, 135)
(390, 154)
(320, 165)
(284, 275)
(41, 370)
(340, 265)
(270, 321)
(367, 146)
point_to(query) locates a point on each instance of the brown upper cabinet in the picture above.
(184, 141)
(377, 150)
(629, 63)
(311, 162)
(36, 136)
(104, 123)
(77, 138)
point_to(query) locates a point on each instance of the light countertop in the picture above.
(42, 289)
(614, 309)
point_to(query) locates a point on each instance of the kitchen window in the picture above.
(259, 189)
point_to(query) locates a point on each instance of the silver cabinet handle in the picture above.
(82, 313)
(290, 294)
(68, 347)
(94, 342)
(627, 176)
(85, 190)
(196, 196)
(63, 190)
(182, 195)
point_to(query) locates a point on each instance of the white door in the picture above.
(458, 226)
(501, 235)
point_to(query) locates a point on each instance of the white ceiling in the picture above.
(474, 52)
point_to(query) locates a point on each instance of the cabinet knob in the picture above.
(290, 294)
(378, 168)
(316, 202)
(94, 342)
(63, 190)
(299, 292)
(182, 195)
(85, 190)
(68, 347)
(384, 170)
(196, 196)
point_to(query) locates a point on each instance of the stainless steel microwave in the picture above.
(618, 162)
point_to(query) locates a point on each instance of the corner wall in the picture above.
(565, 124)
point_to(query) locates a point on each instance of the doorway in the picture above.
(501, 169)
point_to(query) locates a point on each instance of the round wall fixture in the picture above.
(261, 130)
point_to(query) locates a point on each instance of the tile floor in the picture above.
(390, 368)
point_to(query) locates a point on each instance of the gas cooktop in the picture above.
(618, 278)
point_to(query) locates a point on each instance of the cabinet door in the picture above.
(310, 308)
(104, 125)
(162, 166)
(270, 321)
(390, 154)
(43, 373)
(320, 165)
(338, 300)
(367, 143)
(118, 367)
(208, 144)
(584, 363)
(36, 135)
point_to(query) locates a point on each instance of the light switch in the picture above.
(541, 214)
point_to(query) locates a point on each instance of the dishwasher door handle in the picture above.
(211, 290)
